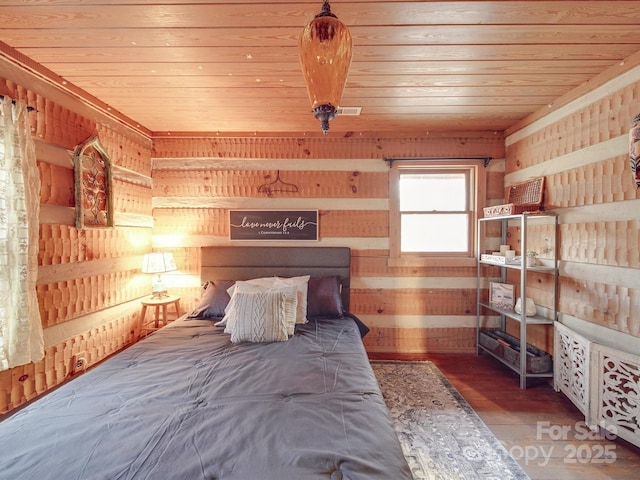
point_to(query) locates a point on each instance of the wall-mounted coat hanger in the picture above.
(277, 186)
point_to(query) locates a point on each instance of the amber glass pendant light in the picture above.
(325, 55)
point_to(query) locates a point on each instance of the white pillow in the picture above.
(265, 281)
(260, 317)
(252, 286)
(302, 284)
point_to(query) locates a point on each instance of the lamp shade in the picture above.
(325, 55)
(158, 262)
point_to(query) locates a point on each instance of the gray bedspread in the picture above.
(185, 403)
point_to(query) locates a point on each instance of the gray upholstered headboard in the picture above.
(244, 263)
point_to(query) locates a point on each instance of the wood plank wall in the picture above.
(582, 148)
(88, 280)
(410, 310)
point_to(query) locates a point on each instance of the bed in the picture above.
(188, 403)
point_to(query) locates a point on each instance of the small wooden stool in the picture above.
(158, 302)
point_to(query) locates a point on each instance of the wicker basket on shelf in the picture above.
(521, 197)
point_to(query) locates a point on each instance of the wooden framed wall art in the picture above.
(273, 225)
(501, 295)
(93, 185)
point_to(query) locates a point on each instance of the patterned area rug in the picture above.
(441, 436)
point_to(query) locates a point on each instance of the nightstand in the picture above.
(158, 303)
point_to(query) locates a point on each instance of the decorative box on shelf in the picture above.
(507, 347)
(500, 259)
(522, 197)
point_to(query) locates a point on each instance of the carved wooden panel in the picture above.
(93, 185)
(616, 392)
(571, 364)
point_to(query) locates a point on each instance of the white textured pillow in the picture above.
(255, 286)
(228, 310)
(260, 317)
(301, 284)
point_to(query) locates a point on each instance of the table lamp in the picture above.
(158, 263)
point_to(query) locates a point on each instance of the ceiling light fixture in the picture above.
(325, 54)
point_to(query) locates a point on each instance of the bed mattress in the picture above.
(185, 403)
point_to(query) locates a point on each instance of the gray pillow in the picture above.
(213, 300)
(323, 298)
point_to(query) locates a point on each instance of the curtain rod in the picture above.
(484, 160)
(13, 102)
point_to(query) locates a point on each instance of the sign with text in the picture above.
(273, 225)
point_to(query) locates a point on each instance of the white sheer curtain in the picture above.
(21, 339)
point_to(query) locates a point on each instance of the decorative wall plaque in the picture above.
(273, 225)
(93, 184)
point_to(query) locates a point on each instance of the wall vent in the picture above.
(349, 111)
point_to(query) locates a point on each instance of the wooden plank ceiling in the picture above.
(232, 66)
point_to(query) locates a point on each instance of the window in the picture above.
(433, 212)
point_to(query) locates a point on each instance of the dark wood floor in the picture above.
(541, 429)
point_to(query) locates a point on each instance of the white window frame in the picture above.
(476, 201)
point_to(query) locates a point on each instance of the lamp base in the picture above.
(158, 289)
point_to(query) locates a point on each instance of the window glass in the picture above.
(434, 233)
(436, 191)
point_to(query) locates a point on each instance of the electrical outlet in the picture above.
(79, 362)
